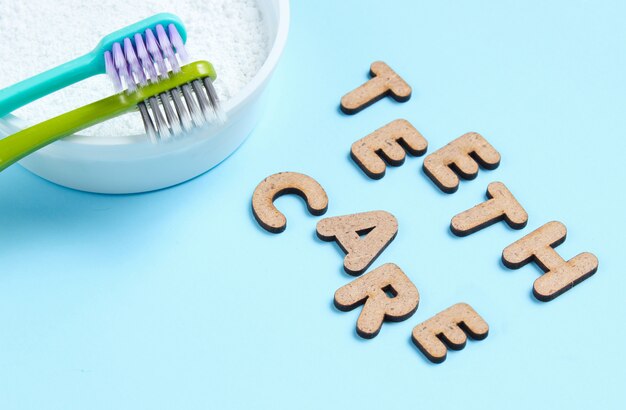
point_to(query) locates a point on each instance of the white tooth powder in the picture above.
(41, 34)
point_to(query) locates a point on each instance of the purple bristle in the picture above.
(112, 72)
(145, 57)
(133, 62)
(166, 47)
(146, 61)
(177, 42)
(153, 48)
(122, 67)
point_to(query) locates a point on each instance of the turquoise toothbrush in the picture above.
(128, 55)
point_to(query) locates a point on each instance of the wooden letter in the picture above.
(560, 275)
(501, 206)
(384, 82)
(460, 157)
(389, 143)
(266, 214)
(386, 293)
(449, 326)
(378, 227)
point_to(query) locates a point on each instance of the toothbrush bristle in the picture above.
(192, 105)
(146, 61)
(177, 42)
(133, 62)
(155, 52)
(145, 57)
(214, 101)
(112, 71)
(195, 104)
(122, 67)
(166, 48)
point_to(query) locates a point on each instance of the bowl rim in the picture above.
(260, 78)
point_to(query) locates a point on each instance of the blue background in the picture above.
(177, 299)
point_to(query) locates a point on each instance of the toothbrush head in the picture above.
(144, 52)
(178, 104)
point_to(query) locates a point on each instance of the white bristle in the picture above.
(147, 122)
(163, 129)
(220, 115)
(197, 106)
(181, 109)
(194, 109)
(170, 114)
(203, 100)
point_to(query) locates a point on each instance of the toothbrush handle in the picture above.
(25, 142)
(17, 146)
(24, 92)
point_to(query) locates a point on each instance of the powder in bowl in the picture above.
(231, 34)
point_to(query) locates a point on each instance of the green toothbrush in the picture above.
(199, 107)
(128, 55)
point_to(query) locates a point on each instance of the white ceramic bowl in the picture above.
(132, 164)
